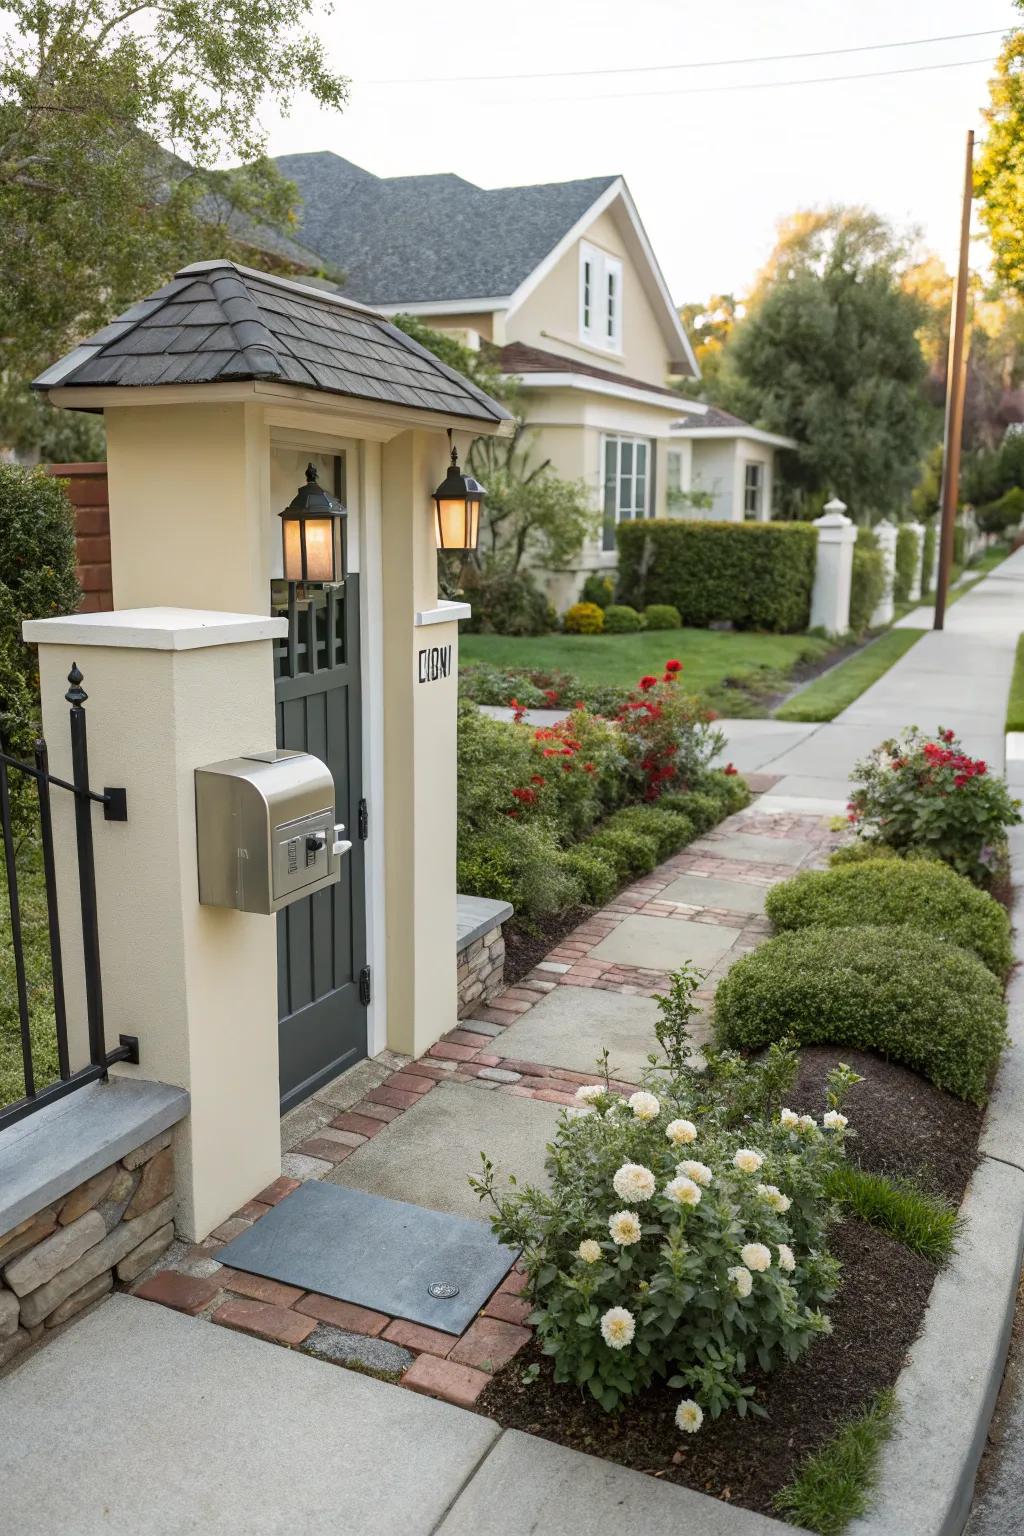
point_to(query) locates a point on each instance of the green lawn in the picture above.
(711, 658)
(1015, 703)
(834, 690)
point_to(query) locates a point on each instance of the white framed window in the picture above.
(628, 465)
(674, 470)
(753, 489)
(600, 298)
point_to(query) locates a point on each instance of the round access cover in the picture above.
(442, 1290)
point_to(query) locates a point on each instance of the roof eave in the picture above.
(754, 434)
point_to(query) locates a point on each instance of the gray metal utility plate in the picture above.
(377, 1253)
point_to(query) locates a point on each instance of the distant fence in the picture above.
(87, 488)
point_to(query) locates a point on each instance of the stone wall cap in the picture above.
(155, 629)
(445, 613)
(475, 916)
(49, 1153)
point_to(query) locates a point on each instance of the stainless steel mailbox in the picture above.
(265, 830)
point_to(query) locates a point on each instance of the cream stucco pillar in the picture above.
(168, 691)
(886, 533)
(833, 571)
(420, 642)
(916, 584)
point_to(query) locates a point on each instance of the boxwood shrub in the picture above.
(867, 584)
(906, 563)
(757, 575)
(668, 829)
(883, 892)
(633, 853)
(701, 809)
(594, 871)
(662, 616)
(907, 995)
(620, 619)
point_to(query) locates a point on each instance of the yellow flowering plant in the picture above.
(684, 1235)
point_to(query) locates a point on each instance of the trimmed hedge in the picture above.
(662, 616)
(930, 535)
(620, 619)
(631, 852)
(906, 563)
(868, 580)
(905, 994)
(669, 829)
(594, 871)
(757, 575)
(885, 892)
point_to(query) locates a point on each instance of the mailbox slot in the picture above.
(265, 829)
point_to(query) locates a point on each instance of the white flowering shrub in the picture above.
(684, 1235)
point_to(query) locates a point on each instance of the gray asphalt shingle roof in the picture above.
(407, 239)
(217, 322)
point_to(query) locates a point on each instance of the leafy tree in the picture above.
(999, 168)
(709, 327)
(530, 514)
(828, 353)
(113, 117)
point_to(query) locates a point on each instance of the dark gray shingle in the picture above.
(233, 323)
(405, 239)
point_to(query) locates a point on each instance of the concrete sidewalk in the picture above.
(140, 1420)
(957, 677)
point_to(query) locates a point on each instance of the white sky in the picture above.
(711, 173)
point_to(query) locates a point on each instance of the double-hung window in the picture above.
(627, 484)
(600, 298)
(753, 489)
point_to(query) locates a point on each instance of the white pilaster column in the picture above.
(833, 571)
(169, 690)
(915, 585)
(886, 533)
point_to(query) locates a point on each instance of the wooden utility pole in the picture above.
(956, 379)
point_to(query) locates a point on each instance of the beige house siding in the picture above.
(719, 466)
(549, 317)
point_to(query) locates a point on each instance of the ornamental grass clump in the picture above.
(684, 1235)
(925, 793)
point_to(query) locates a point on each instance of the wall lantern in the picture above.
(312, 534)
(457, 503)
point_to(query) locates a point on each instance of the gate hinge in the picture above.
(364, 820)
(365, 990)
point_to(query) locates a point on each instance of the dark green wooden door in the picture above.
(321, 941)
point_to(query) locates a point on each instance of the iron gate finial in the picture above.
(76, 694)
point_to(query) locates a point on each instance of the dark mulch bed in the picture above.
(905, 1125)
(528, 942)
(876, 1316)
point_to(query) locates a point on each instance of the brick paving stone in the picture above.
(424, 1069)
(515, 1281)
(392, 1098)
(508, 1307)
(185, 1293)
(252, 1210)
(329, 1151)
(484, 1059)
(343, 1314)
(277, 1324)
(453, 1052)
(549, 1096)
(385, 1112)
(459, 1384)
(230, 1229)
(259, 1288)
(490, 1343)
(362, 1124)
(420, 1339)
(467, 1037)
(410, 1082)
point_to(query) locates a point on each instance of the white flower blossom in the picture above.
(742, 1280)
(682, 1132)
(689, 1416)
(747, 1160)
(807, 1123)
(589, 1092)
(618, 1327)
(832, 1120)
(773, 1196)
(756, 1256)
(789, 1119)
(624, 1227)
(786, 1260)
(589, 1250)
(633, 1183)
(700, 1173)
(683, 1192)
(579, 1111)
(645, 1106)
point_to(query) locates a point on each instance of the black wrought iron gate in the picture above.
(323, 980)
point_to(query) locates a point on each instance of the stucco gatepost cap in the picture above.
(834, 515)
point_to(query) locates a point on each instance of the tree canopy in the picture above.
(828, 353)
(999, 167)
(114, 116)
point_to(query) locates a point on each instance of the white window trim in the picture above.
(600, 299)
(637, 514)
(758, 511)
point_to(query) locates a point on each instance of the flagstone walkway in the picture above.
(414, 1130)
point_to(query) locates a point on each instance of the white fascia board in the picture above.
(592, 386)
(752, 434)
(446, 307)
(618, 189)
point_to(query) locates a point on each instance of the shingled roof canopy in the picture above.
(216, 323)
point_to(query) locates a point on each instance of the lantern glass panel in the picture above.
(319, 549)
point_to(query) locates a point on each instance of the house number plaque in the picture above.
(435, 662)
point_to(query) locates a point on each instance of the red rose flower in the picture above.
(673, 666)
(648, 682)
(729, 770)
(589, 768)
(525, 796)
